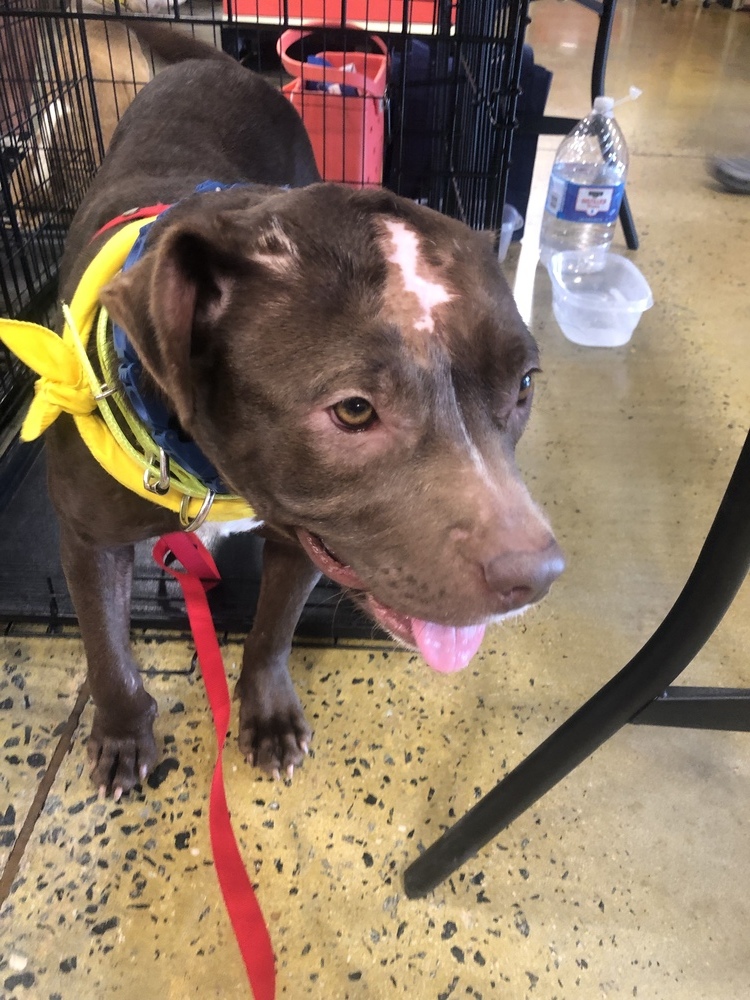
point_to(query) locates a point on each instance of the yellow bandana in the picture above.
(68, 384)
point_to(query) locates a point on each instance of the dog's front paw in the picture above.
(121, 758)
(274, 734)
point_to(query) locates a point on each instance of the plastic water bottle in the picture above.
(586, 187)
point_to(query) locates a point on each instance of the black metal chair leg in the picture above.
(721, 567)
(699, 708)
(606, 12)
(628, 226)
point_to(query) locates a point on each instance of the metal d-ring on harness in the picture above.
(106, 391)
(162, 484)
(200, 517)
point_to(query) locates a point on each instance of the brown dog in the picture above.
(353, 365)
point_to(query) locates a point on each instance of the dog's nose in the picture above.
(521, 578)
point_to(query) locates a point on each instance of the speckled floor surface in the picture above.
(632, 877)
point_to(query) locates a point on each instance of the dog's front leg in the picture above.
(274, 734)
(121, 746)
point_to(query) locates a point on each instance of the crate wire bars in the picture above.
(468, 85)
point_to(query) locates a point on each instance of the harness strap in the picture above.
(68, 385)
(130, 216)
(200, 575)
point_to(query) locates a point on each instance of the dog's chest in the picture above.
(212, 532)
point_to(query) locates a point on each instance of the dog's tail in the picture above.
(164, 40)
(172, 44)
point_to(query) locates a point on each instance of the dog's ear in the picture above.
(170, 301)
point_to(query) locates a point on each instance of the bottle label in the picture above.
(584, 202)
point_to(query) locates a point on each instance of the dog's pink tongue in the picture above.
(446, 648)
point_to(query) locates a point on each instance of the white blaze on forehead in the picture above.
(275, 249)
(405, 255)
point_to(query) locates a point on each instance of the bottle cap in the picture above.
(604, 105)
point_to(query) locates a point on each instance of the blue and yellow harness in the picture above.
(116, 431)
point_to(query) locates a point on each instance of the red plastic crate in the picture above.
(347, 131)
(378, 15)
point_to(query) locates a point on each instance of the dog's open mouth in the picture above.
(446, 648)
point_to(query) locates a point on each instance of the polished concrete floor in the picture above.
(632, 877)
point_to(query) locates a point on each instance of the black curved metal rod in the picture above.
(601, 52)
(719, 572)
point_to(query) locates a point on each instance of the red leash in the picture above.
(199, 576)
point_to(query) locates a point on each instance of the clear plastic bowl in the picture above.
(512, 221)
(597, 299)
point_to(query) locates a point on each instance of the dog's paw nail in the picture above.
(304, 748)
(275, 774)
(102, 792)
(290, 772)
(143, 772)
(118, 794)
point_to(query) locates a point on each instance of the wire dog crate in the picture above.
(70, 68)
(68, 72)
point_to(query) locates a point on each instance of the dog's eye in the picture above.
(526, 388)
(355, 414)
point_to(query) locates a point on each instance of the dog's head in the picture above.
(356, 367)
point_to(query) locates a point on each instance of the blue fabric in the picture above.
(346, 91)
